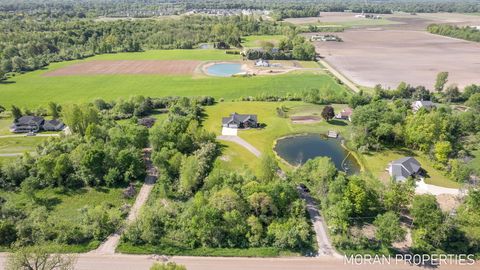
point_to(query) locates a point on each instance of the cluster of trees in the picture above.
(352, 202)
(193, 207)
(30, 43)
(438, 133)
(281, 8)
(100, 153)
(464, 32)
(290, 47)
(312, 95)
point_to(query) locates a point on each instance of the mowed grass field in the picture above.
(33, 90)
(234, 157)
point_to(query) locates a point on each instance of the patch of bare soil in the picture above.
(308, 119)
(388, 57)
(110, 67)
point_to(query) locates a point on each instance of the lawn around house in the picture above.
(276, 127)
(33, 89)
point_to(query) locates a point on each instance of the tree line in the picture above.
(29, 43)
(462, 32)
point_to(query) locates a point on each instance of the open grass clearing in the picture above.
(256, 41)
(19, 144)
(235, 158)
(33, 90)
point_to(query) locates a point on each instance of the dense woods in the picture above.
(28, 44)
(195, 207)
(466, 32)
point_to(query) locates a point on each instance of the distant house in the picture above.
(29, 123)
(345, 114)
(262, 63)
(53, 125)
(403, 168)
(427, 104)
(236, 120)
(324, 38)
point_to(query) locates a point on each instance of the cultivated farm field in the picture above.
(33, 89)
(388, 57)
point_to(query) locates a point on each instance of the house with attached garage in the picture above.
(401, 169)
(427, 104)
(236, 120)
(29, 123)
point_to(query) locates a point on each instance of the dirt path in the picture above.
(241, 142)
(339, 75)
(109, 246)
(325, 247)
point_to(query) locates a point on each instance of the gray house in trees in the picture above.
(403, 168)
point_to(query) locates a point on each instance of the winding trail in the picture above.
(110, 244)
(325, 247)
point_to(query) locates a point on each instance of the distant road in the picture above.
(24, 135)
(339, 75)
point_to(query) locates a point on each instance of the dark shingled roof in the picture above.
(405, 167)
(28, 119)
(239, 118)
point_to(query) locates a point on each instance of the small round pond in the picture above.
(224, 69)
(297, 150)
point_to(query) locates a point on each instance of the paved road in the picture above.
(143, 262)
(241, 142)
(109, 246)
(325, 247)
(339, 75)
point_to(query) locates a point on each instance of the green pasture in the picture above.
(19, 144)
(33, 89)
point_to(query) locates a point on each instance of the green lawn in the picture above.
(19, 144)
(235, 157)
(5, 123)
(377, 162)
(276, 127)
(32, 89)
(256, 41)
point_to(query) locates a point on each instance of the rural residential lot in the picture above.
(239, 135)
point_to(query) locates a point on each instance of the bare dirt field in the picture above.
(97, 67)
(388, 57)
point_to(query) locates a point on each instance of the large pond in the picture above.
(224, 69)
(297, 150)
